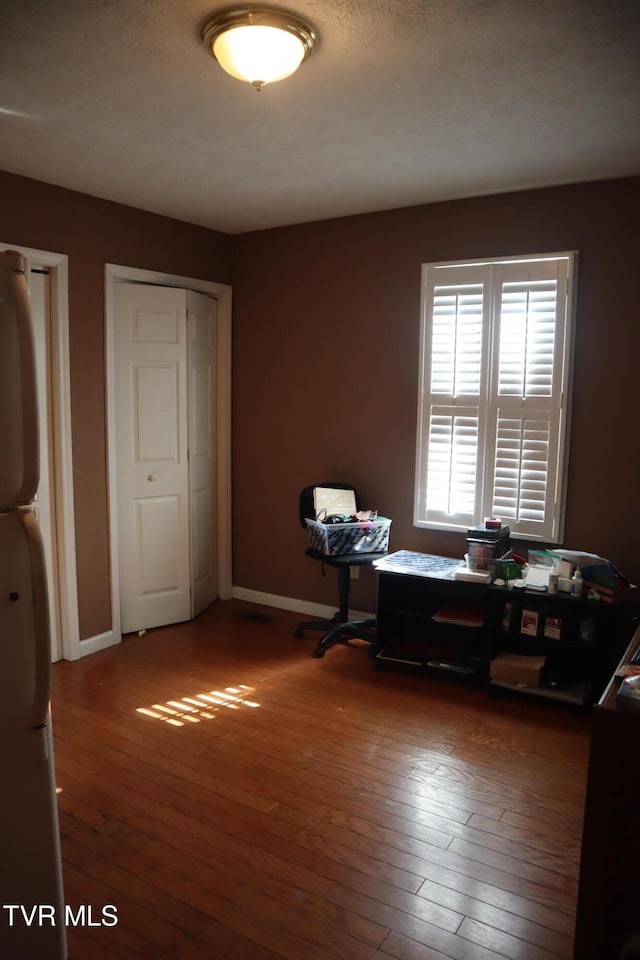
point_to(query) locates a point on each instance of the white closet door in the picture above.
(201, 336)
(150, 355)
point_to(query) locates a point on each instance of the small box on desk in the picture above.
(339, 539)
(507, 568)
(517, 668)
(486, 547)
(485, 533)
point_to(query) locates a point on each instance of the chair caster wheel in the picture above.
(318, 653)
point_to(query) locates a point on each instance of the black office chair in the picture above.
(340, 628)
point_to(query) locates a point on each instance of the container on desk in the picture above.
(508, 569)
(486, 547)
(339, 539)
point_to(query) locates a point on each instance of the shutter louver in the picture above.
(456, 348)
(527, 338)
(521, 472)
(451, 477)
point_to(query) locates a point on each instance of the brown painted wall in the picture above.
(326, 327)
(93, 232)
(325, 344)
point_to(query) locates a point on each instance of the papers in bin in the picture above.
(475, 576)
(334, 501)
(537, 578)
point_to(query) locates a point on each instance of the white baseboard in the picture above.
(100, 642)
(320, 610)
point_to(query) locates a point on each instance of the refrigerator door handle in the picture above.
(17, 283)
(42, 640)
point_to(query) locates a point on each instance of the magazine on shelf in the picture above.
(529, 623)
(461, 614)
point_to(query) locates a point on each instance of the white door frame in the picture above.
(221, 292)
(58, 266)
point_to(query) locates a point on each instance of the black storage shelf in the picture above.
(408, 634)
(582, 657)
(578, 694)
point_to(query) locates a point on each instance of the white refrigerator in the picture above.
(32, 922)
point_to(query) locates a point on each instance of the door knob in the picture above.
(152, 476)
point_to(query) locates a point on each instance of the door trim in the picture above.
(115, 273)
(58, 266)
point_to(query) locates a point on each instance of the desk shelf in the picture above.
(410, 630)
(415, 589)
(581, 657)
(578, 694)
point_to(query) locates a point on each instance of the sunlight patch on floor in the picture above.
(203, 706)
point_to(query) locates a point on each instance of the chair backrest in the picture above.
(306, 504)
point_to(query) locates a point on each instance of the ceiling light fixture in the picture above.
(259, 44)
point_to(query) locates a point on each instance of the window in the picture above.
(494, 390)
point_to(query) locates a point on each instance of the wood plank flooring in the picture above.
(235, 798)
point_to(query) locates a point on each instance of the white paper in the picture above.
(537, 578)
(333, 501)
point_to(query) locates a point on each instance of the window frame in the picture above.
(488, 272)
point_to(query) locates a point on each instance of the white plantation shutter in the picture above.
(456, 349)
(494, 383)
(527, 338)
(522, 470)
(453, 376)
(453, 455)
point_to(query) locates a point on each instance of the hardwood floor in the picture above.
(235, 798)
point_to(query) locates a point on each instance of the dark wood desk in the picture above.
(608, 911)
(416, 594)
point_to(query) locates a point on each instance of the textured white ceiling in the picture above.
(402, 103)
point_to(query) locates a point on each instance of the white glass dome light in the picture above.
(259, 44)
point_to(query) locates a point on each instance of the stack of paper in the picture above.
(477, 576)
(537, 578)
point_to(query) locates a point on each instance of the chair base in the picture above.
(340, 631)
(340, 628)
